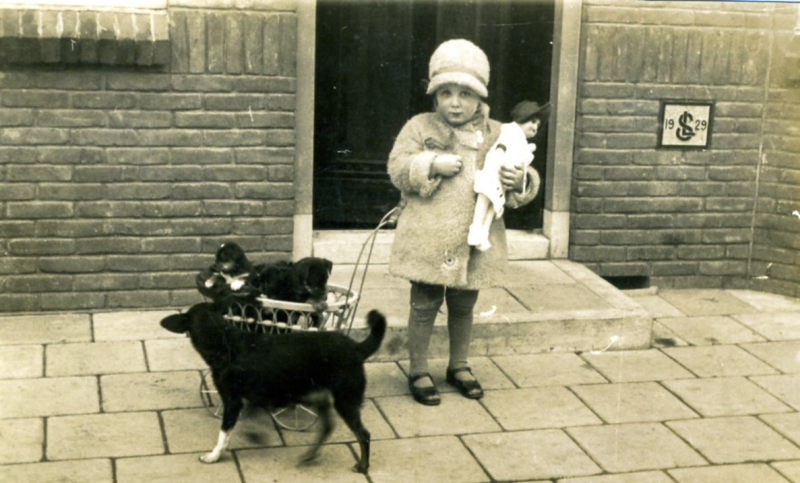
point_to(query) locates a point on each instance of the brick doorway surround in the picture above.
(563, 95)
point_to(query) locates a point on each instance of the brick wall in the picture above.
(684, 218)
(776, 241)
(119, 182)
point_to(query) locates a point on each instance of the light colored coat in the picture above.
(430, 242)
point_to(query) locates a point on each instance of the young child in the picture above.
(433, 163)
(510, 149)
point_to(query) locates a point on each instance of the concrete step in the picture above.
(344, 246)
(544, 306)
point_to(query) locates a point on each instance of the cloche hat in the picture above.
(459, 62)
(527, 110)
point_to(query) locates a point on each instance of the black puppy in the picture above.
(304, 281)
(275, 371)
(231, 274)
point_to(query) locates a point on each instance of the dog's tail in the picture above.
(377, 325)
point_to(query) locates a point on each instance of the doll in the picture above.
(510, 149)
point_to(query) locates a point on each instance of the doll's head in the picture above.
(530, 116)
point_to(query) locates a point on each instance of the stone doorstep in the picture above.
(344, 246)
(530, 333)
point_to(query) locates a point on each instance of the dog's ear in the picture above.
(177, 323)
(328, 265)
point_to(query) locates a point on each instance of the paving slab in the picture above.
(440, 459)
(173, 355)
(773, 326)
(784, 356)
(370, 416)
(103, 435)
(558, 297)
(78, 471)
(719, 361)
(710, 330)
(705, 302)
(720, 440)
(154, 390)
(725, 396)
(633, 402)
(89, 358)
(385, 379)
(786, 424)
(21, 441)
(196, 430)
(377, 277)
(530, 455)
(334, 464)
(489, 375)
(45, 329)
(636, 366)
(455, 415)
(663, 337)
(789, 469)
(21, 361)
(767, 302)
(657, 306)
(536, 273)
(599, 286)
(182, 468)
(537, 408)
(139, 325)
(760, 473)
(621, 448)
(637, 477)
(50, 396)
(782, 387)
(535, 370)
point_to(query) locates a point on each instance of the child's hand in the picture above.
(446, 165)
(511, 177)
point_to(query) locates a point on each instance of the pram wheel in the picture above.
(294, 418)
(209, 396)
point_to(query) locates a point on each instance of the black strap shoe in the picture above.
(469, 389)
(428, 396)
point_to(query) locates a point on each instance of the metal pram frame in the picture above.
(271, 316)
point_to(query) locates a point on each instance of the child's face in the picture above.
(456, 104)
(530, 128)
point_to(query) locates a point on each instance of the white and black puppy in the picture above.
(276, 371)
(231, 273)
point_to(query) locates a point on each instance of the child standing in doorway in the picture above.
(433, 163)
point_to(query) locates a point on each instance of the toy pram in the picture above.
(269, 316)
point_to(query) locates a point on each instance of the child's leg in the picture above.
(460, 304)
(425, 303)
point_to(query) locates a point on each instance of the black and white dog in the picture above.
(276, 371)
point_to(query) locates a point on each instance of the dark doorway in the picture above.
(371, 73)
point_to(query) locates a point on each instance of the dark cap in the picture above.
(527, 110)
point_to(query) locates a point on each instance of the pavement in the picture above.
(713, 397)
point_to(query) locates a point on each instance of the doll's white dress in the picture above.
(511, 149)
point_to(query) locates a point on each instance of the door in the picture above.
(371, 74)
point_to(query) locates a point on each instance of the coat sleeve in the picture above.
(515, 199)
(410, 163)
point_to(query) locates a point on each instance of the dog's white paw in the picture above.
(237, 284)
(209, 283)
(209, 458)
